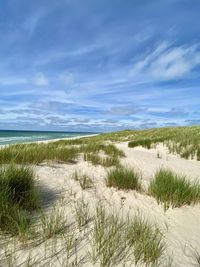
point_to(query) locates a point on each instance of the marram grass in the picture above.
(146, 240)
(36, 153)
(184, 141)
(60, 152)
(123, 178)
(116, 241)
(173, 189)
(18, 197)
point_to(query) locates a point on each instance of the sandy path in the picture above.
(147, 162)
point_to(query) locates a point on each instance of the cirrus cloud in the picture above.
(168, 62)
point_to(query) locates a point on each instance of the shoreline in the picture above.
(58, 139)
(75, 193)
(50, 140)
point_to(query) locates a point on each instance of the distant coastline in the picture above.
(21, 136)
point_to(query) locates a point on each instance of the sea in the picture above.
(15, 137)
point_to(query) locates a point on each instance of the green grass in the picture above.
(96, 147)
(174, 190)
(115, 241)
(123, 178)
(144, 143)
(18, 197)
(110, 157)
(108, 240)
(60, 151)
(82, 212)
(53, 223)
(84, 180)
(184, 141)
(146, 240)
(36, 153)
(106, 161)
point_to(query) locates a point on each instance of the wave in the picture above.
(35, 137)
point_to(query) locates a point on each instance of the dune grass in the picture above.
(123, 178)
(53, 223)
(115, 241)
(60, 151)
(144, 143)
(96, 147)
(106, 161)
(108, 246)
(84, 180)
(184, 141)
(146, 240)
(18, 197)
(174, 190)
(82, 212)
(36, 153)
(106, 155)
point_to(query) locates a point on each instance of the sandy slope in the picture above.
(181, 226)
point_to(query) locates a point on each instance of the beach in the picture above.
(180, 225)
(75, 203)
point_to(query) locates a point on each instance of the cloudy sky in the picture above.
(99, 65)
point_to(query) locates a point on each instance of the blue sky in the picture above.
(99, 65)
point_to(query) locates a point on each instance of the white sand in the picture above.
(181, 226)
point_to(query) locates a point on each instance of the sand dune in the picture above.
(181, 226)
(70, 206)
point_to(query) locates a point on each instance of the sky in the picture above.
(99, 65)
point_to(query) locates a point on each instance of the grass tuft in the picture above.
(82, 212)
(84, 180)
(123, 178)
(18, 196)
(115, 241)
(146, 241)
(106, 161)
(144, 143)
(172, 189)
(53, 223)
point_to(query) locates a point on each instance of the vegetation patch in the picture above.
(144, 143)
(174, 190)
(146, 240)
(105, 161)
(115, 241)
(123, 178)
(18, 196)
(36, 153)
(60, 151)
(84, 180)
(184, 141)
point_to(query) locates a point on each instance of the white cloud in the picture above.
(40, 79)
(81, 120)
(167, 62)
(67, 77)
(126, 110)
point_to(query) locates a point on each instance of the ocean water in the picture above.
(14, 137)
